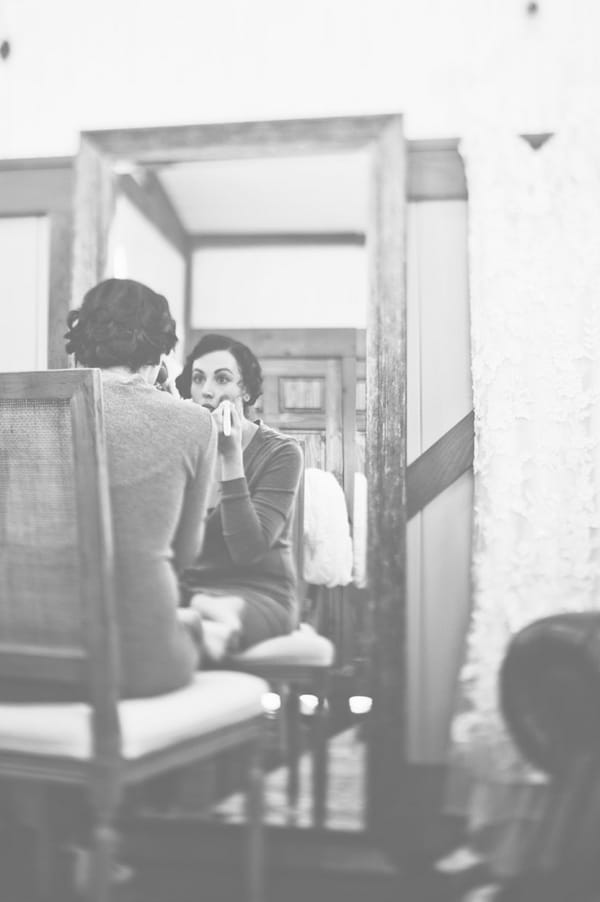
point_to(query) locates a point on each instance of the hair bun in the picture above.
(121, 323)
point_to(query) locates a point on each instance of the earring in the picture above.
(246, 397)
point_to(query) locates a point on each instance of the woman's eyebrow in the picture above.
(224, 369)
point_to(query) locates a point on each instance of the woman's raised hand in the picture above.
(227, 419)
(168, 372)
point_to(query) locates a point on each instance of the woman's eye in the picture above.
(197, 378)
(223, 380)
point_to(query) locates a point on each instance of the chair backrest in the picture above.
(57, 620)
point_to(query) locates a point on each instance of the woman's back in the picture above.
(160, 457)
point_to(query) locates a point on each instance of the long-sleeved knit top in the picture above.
(161, 455)
(247, 549)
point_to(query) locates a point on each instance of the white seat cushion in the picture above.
(214, 699)
(304, 647)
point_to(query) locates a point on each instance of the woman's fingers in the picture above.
(168, 372)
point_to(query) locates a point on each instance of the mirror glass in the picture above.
(272, 251)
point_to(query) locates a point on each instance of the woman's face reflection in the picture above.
(216, 377)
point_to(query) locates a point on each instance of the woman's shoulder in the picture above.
(273, 439)
(274, 448)
(189, 415)
(177, 417)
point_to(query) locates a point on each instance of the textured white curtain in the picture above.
(534, 251)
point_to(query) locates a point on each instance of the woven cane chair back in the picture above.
(56, 605)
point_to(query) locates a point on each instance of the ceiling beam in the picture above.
(150, 198)
(204, 240)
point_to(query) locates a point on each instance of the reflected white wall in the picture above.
(282, 287)
(138, 251)
(439, 538)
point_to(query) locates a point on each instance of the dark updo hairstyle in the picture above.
(121, 323)
(249, 366)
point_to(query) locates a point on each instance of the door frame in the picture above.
(43, 187)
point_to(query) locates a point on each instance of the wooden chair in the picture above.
(301, 662)
(57, 630)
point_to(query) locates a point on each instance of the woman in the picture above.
(244, 581)
(161, 454)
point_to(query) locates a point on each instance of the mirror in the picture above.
(290, 236)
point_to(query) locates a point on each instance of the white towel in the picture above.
(327, 542)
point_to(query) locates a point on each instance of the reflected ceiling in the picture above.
(324, 193)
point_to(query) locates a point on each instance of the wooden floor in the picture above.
(303, 865)
(345, 798)
(181, 853)
(191, 795)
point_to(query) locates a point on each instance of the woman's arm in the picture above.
(252, 524)
(190, 531)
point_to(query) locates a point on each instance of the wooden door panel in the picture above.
(303, 396)
(302, 393)
(313, 444)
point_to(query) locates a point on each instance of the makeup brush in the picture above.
(226, 418)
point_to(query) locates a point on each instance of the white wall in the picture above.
(138, 251)
(439, 538)
(24, 304)
(283, 287)
(78, 64)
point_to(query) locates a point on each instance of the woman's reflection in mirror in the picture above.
(244, 581)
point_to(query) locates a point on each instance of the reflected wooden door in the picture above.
(303, 397)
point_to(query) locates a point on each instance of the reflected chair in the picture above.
(58, 634)
(301, 662)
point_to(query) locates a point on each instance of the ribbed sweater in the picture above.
(247, 549)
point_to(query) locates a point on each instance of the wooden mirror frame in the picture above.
(382, 138)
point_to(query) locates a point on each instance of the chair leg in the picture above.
(103, 859)
(320, 757)
(105, 800)
(34, 805)
(292, 718)
(46, 854)
(254, 865)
